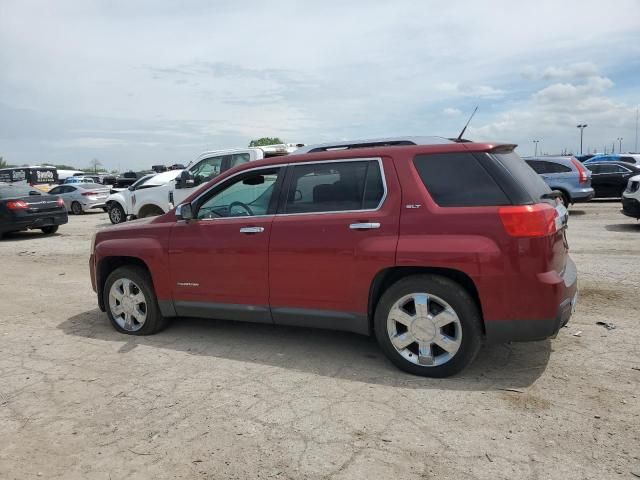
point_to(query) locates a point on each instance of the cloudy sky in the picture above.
(136, 83)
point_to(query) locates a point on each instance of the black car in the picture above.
(609, 179)
(26, 208)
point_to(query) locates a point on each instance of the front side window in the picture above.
(207, 169)
(246, 196)
(335, 187)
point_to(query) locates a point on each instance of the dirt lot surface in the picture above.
(212, 399)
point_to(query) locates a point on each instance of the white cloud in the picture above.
(451, 112)
(150, 81)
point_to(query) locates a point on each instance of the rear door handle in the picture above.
(364, 226)
(249, 230)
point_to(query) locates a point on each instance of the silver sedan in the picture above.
(81, 197)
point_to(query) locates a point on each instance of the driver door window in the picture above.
(249, 195)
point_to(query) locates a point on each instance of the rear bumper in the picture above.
(90, 205)
(561, 290)
(582, 195)
(631, 207)
(34, 222)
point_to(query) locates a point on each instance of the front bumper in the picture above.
(631, 207)
(565, 293)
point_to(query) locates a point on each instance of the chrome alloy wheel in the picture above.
(127, 304)
(424, 329)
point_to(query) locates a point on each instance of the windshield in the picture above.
(15, 191)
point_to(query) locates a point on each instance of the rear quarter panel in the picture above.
(473, 241)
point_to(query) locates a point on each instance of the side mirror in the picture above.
(185, 180)
(130, 187)
(184, 211)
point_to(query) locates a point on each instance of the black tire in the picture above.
(50, 229)
(76, 208)
(459, 300)
(154, 322)
(116, 213)
(566, 201)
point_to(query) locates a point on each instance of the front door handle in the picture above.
(249, 230)
(364, 226)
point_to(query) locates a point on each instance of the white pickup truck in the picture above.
(149, 202)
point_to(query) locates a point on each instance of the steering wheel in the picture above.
(240, 204)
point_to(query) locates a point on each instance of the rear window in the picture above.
(91, 186)
(458, 180)
(14, 191)
(522, 174)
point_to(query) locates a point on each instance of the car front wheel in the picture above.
(428, 325)
(116, 213)
(131, 302)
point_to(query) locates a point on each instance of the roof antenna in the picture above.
(459, 139)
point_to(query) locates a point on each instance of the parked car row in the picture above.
(597, 177)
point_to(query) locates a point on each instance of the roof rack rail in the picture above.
(375, 142)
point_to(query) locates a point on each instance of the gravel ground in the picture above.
(213, 399)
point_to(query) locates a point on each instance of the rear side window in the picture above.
(458, 180)
(335, 187)
(557, 168)
(538, 166)
(524, 177)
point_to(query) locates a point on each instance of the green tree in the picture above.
(3, 163)
(261, 142)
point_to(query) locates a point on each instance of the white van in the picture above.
(159, 200)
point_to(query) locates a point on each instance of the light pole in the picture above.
(581, 127)
(535, 142)
(619, 144)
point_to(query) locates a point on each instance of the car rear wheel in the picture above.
(428, 325)
(116, 213)
(76, 208)
(50, 229)
(131, 303)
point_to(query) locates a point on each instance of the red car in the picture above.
(435, 246)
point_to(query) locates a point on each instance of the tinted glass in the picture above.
(524, 176)
(612, 168)
(538, 167)
(594, 168)
(458, 180)
(247, 196)
(628, 159)
(238, 159)
(553, 167)
(335, 187)
(15, 191)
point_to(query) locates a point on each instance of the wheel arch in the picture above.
(107, 265)
(387, 277)
(148, 208)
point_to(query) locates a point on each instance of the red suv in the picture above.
(436, 246)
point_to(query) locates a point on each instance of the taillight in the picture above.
(17, 205)
(581, 170)
(529, 220)
(60, 202)
(88, 194)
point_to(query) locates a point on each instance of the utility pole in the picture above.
(581, 127)
(619, 144)
(635, 150)
(535, 142)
